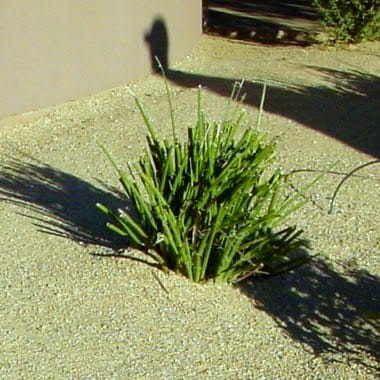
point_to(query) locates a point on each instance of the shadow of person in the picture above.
(350, 108)
(158, 42)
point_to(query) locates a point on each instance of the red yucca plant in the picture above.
(210, 207)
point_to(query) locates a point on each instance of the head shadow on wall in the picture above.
(158, 43)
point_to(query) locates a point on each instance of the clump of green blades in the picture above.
(208, 207)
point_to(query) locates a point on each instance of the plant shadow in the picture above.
(270, 22)
(61, 204)
(315, 305)
(323, 308)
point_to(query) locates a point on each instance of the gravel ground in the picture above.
(68, 311)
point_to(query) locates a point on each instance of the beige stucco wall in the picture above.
(52, 51)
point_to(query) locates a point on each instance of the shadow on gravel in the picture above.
(347, 109)
(315, 305)
(322, 308)
(62, 204)
(272, 22)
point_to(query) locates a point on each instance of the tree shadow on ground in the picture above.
(271, 22)
(62, 204)
(322, 308)
(346, 108)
